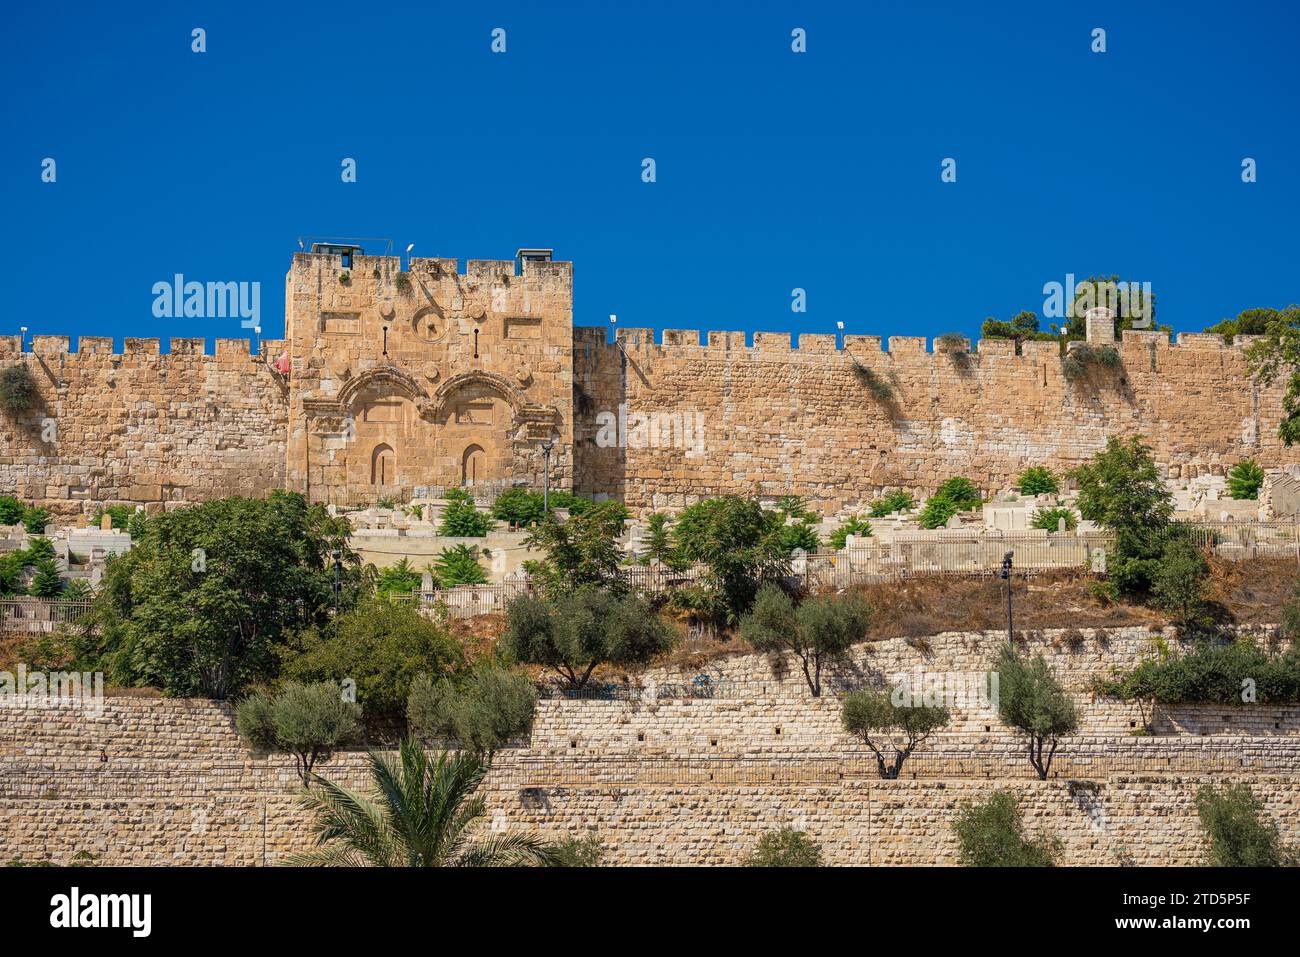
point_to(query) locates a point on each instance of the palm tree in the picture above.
(423, 818)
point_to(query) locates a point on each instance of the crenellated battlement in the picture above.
(105, 348)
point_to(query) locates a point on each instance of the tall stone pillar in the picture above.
(1100, 326)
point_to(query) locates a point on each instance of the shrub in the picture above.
(936, 513)
(35, 519)
(1235, 832)
(819, 631)
(582, 629)
(581, 551)
(402, 282)
(1037, 480)
(991, 834)
(78, 589)
(658, 542)
(39, 549)
(1082, 360)
(481, 709)
(950, 342)
(17, 389)
(961, 492)
(459, 565)
(1245, 479)
(1121, 490)
(579, 852)
(46, 583)
(1050, 519)
(734, 538)
(1211, 673)
(518, 508)
(119, 515)
(850, 526)
(785, 848)
(1032, 701)
(874, 717)
(1178, 583)
(308, 721)
(398, 579)
(460, 518)
(873, 382)
(382, 647)
(11, 510)
(893, 502)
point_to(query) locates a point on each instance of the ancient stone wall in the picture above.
(841, 425)
(135, 425)
(670, 780)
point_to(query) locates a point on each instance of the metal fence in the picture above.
(521, 771)
(39, 615)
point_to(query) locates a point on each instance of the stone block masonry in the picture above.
(432, 376)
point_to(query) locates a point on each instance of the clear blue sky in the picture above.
(775, 170)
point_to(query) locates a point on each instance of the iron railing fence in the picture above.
(523, 772)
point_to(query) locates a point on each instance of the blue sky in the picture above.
(775, 170)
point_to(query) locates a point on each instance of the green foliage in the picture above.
(893, 502)
(1126, 301)
(850, 526)
(1082, 360)
(459, 565)
(1245, 479)
(460, 518)
(381, 646)
(78, 589)
(794, 528)
(119, 515)
(428, 815)
(658, 542)
(1255, 322)
(1032, 701)
(1277, 354)
(874, 717)
(1236, 833)
(1050, 519)
(739, 543)
(46, 583)
(991, 834)
(581, 551)
(873, 382)
(39, 549)
(518, 508)
(950, 342)
(1038, 480)
(17, 389)
(480, 709)
(785, 848)
(1179, 581)
(1211, 673)
(817, 632)
(400, 578)
(35, 519)
(954, 495)
(1121, 490)
(11, 510)
(209, 593)
(582, 629)
(579, 851)
(308, 721)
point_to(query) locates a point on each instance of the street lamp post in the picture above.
(546, 475)
(1006, 575)
(337, 554)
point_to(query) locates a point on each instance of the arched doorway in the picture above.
(383, 465)
(473, 466)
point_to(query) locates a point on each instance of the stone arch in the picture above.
(473, 465)
(388, 379)
(383, 465)
(442, 399)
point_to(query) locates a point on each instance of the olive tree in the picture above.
(480, 709)
(1032, 701)
(309, 721)
(818, 631)
(582, 629)
(886, 726)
